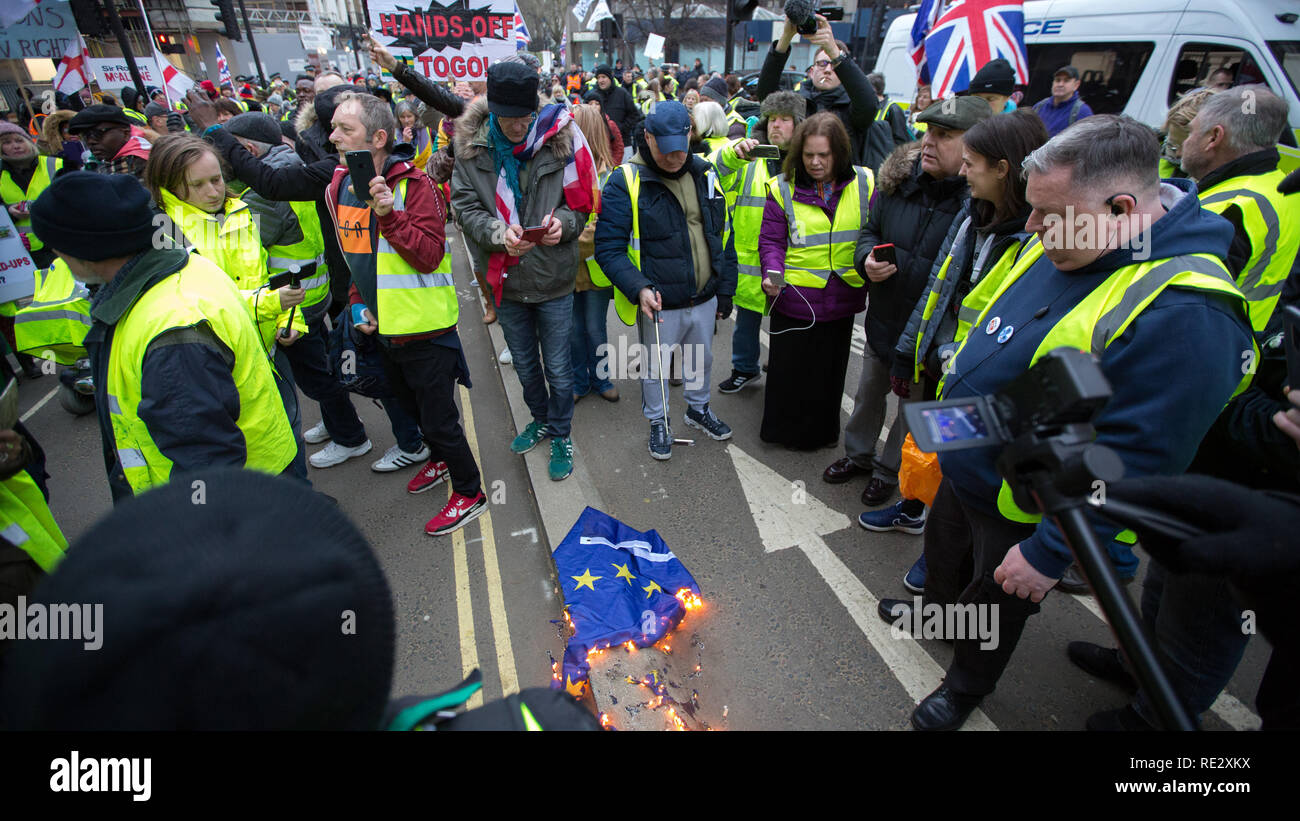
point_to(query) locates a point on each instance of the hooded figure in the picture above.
(314, 125)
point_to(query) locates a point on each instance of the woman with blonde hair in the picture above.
(1178, 124)
(592, 292)
(709, 126)
(184, 175)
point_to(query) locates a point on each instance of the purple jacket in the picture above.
(838, 299)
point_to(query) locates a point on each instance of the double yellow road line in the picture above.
(492, 575)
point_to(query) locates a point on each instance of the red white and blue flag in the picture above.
(223, 70)
(581, 185)
(522, 40)
(970, 33)
(926, 15)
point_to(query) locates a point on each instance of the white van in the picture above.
(1136, 56)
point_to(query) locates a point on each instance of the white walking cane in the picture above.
(663, 392)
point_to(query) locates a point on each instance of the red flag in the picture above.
(71, 75)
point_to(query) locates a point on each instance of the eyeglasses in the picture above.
(1170, 149)
(823, 63)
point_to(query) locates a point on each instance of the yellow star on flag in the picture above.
(623, 573)
(574, 688)
(652, 588)
(585, 579)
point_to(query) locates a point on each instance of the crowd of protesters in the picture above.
(684, 200)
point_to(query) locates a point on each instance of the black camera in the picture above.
(803, 14)
(1065, 387)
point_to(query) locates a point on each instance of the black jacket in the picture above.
(666, 262)
(618, 105)
(914, 211)
(853, 101)
(884, 136)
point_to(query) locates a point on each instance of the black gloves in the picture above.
(724, 306)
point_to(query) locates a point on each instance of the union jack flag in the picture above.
(521, 32)
(969, 34)
(223, 70)
(926, 15)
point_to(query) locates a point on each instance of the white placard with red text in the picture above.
(17, 273)
(454, 41)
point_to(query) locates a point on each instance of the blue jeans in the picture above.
(1197, 626)
(527, 325)
(744, 341)
(590, 312)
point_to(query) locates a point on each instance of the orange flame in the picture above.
(630, 646)
(688, 599)
(678, 724)
(604, 720)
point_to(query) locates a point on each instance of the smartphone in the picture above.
(832, 13)
(534, 234)
(288, 279)
(1291, 343)
(885, 253)
(776, 276)
(358, 317)
(361, 169)
(765, 152)
(952, 424)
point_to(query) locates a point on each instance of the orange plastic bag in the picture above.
(919, 474)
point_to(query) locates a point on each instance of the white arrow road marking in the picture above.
(784, 523)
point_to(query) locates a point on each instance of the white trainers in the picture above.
(336, 454)
(395, 459)
(505, 358)
(316, 435)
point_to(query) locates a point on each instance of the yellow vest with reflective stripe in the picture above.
(1107, 311)
(1272, 221)
(746, 197)
(198, 293)
(55, 324)
(976, 300)
(817, 246)
(410, 301)
(235, 246)
(598, 277)
(42, 176)
(136, 115)
(298, 255)
(26, 521)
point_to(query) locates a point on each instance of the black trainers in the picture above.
(1101, 662)
(707, 422)
(661, 440)
(737, 381)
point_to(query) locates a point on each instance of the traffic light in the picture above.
(86, 14)
(226, 16)
(751, 45)
(743, 9)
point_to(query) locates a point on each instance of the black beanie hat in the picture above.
(603, 68)
(255, 606)
(256, 126)
(717, 91)
(94, 216)
(996, 77)
(512, 90)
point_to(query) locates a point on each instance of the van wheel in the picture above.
(75, 403)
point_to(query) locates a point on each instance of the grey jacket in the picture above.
(966, 245)
(545, 272)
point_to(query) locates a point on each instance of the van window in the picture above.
(1287, 53)
(1204, 64)
(1108, 72)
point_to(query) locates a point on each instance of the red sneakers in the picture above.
(460, 511)
(433, 473)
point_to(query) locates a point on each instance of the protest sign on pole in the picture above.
(446, 42)
(654, 46)
(113, 73)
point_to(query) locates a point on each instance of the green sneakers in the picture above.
(561, 458)
(532, 435)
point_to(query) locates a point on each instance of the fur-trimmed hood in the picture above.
(472, 139)
(898, 167)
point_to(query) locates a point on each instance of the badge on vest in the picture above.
(1005, 335)
(994, 324)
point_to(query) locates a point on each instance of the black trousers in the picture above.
(423, 376)
(974, 671)
(949, 548)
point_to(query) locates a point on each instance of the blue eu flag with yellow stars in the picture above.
(619, 585)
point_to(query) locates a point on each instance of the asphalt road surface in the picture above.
(788, 637)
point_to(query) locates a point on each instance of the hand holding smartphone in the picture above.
(885, 253)
(361, 170)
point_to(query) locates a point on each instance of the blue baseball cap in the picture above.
(670, 122)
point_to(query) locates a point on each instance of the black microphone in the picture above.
(802, 13)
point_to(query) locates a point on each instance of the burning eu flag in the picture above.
(619, 585)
